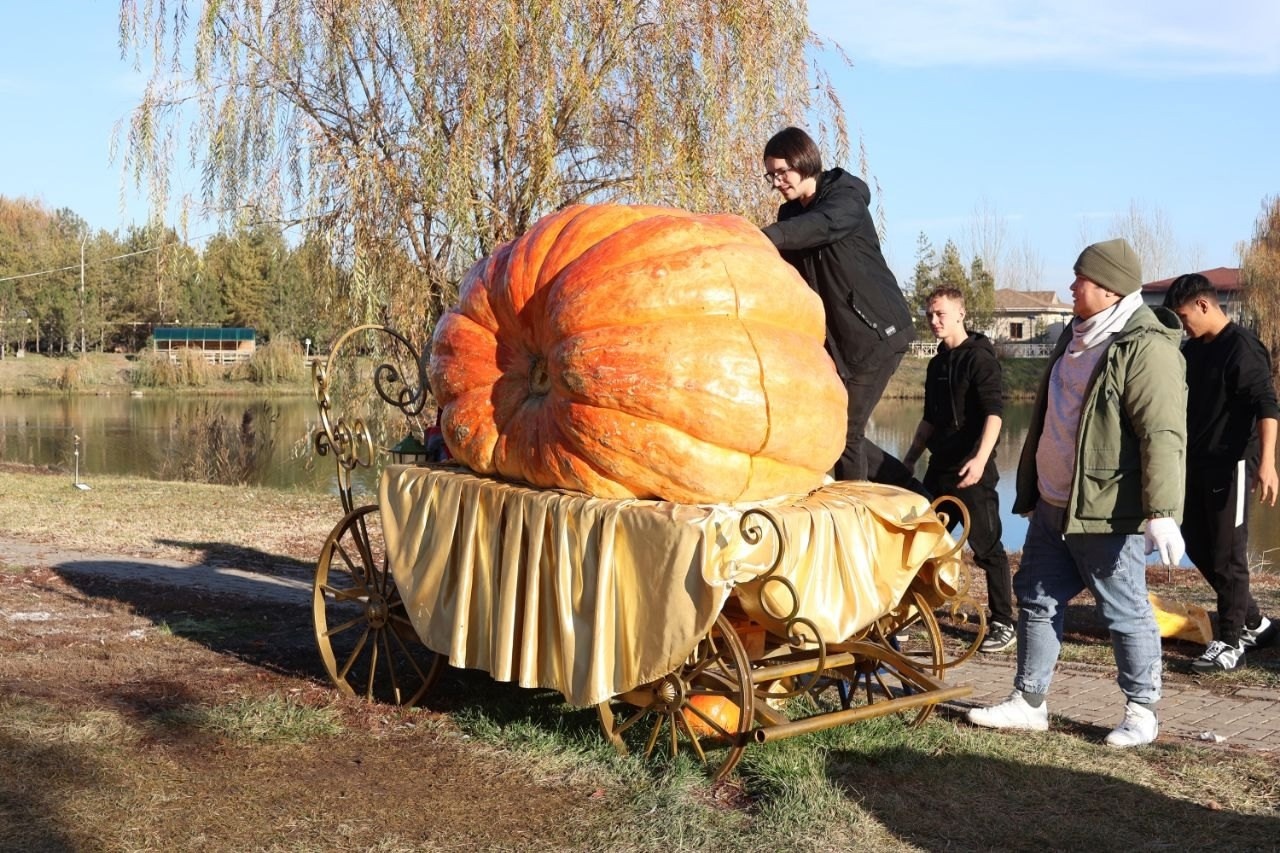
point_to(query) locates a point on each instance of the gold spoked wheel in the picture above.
(703, 707)
(889, 662)
(368, 646)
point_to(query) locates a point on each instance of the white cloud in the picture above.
(1164, 37)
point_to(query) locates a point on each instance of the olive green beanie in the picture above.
(1111, 264)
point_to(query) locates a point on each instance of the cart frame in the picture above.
(789, 682)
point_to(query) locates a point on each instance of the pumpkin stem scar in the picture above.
(539, 378)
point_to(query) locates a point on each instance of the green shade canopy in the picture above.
(190, 334)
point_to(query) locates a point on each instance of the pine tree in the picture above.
(951, 272)
(980, 302)
(923, 280)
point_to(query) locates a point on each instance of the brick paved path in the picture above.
(1088, 695)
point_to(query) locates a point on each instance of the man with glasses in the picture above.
(825, 230)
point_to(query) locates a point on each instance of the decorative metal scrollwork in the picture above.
(770, 584)
(957, 603)
(350, 440)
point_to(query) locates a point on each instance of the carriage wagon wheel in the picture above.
(919, 640)
(368, 646)
(704, 706)
(912, 632)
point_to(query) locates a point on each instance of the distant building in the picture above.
(1028, 316)
(215, 343)
(1226, 280)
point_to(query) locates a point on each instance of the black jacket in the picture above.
(833, 243)
(962, 387)
(1228, 389)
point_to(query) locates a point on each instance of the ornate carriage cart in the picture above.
(690, 628)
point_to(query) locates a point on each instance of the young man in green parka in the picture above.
(1101, 475)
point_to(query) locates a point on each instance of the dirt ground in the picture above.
(104, 673)
(129, 658)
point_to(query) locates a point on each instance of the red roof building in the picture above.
(1226, 280)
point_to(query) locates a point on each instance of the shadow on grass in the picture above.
(250, 559)
(959, 801)
(264, 620)
(38, 819)
(268, 626)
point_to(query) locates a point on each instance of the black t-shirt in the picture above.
(1228, 389)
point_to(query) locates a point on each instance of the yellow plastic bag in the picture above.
(1181, 621)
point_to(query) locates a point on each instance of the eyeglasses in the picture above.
(773, 177)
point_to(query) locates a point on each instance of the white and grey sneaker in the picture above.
(1219, 657)
(1000, 637)
(1252, 638)
(1012, 713)
(1140, 725)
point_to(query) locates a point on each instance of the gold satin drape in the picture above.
(594, 597)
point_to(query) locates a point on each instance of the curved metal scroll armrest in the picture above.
(964, 522)
(957, 602)
(349, 440)
(799, 630)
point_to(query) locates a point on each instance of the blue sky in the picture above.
(1053, 118)
(1058, 117)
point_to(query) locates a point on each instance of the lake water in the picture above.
(141, 436)
(137, 436)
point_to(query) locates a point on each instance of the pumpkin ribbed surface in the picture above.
(630, 351)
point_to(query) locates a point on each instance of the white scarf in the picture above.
(1086, 334)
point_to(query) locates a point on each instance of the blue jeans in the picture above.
(1055, 569)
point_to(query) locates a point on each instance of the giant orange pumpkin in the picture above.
(629, 351)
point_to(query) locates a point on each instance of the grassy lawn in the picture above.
(135, 718)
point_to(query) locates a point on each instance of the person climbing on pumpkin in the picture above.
(825, 230)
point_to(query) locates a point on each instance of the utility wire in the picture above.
(116, 257)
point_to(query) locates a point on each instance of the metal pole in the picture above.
(83, 240)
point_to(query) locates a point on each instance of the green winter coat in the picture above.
(1131, 447)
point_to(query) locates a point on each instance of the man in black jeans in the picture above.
(825, 231)
(1231, 438)
(963, 412)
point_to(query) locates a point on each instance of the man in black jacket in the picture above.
(825, 231)
(1231, 436)
(963, 412)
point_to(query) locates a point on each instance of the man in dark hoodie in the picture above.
(963, 410)
(1231, 432)
(825, 231)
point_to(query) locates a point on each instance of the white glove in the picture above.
(1164, 537)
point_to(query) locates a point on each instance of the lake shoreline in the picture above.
(108, 374)
(111, 374)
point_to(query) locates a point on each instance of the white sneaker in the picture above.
(1219, 657)
(1012, 713)
(1140, 725)
(1251, 638)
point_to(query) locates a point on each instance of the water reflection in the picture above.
(136, 436)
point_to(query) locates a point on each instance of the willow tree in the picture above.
(1260, 273)
(416, 135)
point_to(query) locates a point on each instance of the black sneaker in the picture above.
(1000, 637)
(1219, 657)
(1252, 638)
